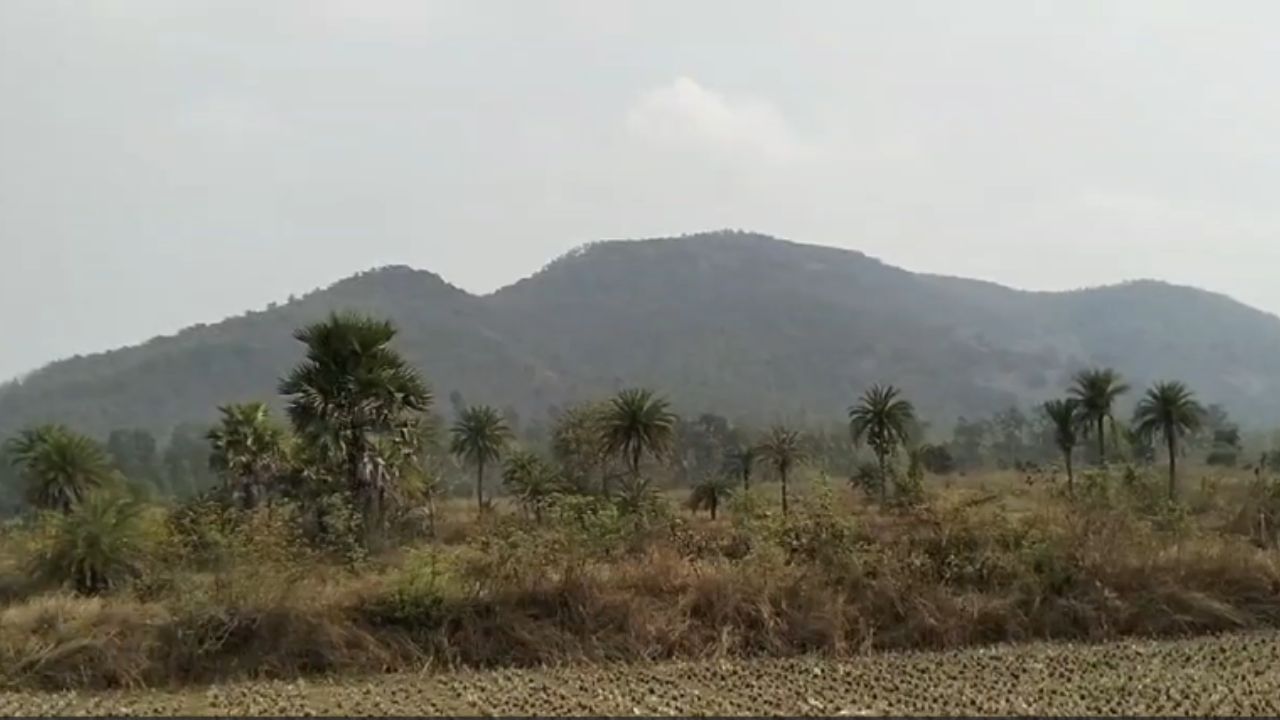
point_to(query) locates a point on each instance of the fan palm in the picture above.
(1064, 418)
(1169, 409)
(883, 419)
(636, 423)
(247, 448)
(740, 462)
(60, 467)
(480, 435)
(784, 450)
(351, 394)
(532, 481)
(710, 493)
(1097, 390)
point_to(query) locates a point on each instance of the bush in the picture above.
(95, 548)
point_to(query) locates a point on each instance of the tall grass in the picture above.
(246, 594)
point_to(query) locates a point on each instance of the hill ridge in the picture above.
(739, 322)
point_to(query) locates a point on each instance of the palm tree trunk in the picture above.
(884, 479)
(715, 501)
(783, 473)
(746, 479)
(480, 486)
(635, 466)
(1071, 480)
(1102, 440)
(1172, 439)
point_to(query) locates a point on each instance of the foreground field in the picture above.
(1225, 675)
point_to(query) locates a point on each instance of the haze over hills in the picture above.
(747, 325)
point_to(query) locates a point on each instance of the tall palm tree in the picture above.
(247, 447)
(1064, 416)
(351, 395)
(883, 419)
(636, 423)
(1169, 409)
(531, 480)
(784, 450)
(740, 462)
(1097, 390)
(480, 435)
(60, 467)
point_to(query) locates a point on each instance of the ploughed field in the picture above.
(1224, 675)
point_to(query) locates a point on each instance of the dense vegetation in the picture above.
(325, 541)
(753, 328)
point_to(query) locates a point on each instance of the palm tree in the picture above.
(60, 467)
(1064, 416)
(532, 480)
(634, 424)
(1170, 409)
(1097, 390)
(741, 462)
(351, 395)
(480, 434)
(247, 448)
(710, 493)
(783, 449)
(95, 547)
(884, 420)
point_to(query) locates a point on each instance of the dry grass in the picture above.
(837, 579)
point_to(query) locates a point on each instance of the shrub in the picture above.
(96, 547)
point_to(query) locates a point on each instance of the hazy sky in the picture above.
(166, 162)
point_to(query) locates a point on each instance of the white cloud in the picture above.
(684, 115)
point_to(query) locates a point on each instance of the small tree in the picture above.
(1065, 417)
(1096, 390)
(95, 547)
(1169, 409)
(248, 449)
(532, 481)
(783, 449)
(479, 437)
(710, 493)
(740, 462)
(637, 423)
(883, 419)
(59, 467)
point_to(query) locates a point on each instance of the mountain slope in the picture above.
(748, 325)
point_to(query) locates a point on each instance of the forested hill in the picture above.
(750, 326)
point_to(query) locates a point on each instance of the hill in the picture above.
(751, 326)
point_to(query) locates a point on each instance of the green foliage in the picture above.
(710, 493)
(532, 481)
(636, 423)
(59, 467)
(248, 448)
(353, 400)
(95, 547)
(1170, 410)
(883, 420)
(783, 448)
(416, 594)
(1096, 391)
(1066, 418)
(480, 435)
(578, 445)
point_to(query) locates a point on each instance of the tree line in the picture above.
(359, 424)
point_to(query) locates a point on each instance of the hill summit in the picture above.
(744, 324)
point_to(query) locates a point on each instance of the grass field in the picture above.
(1223, 675)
